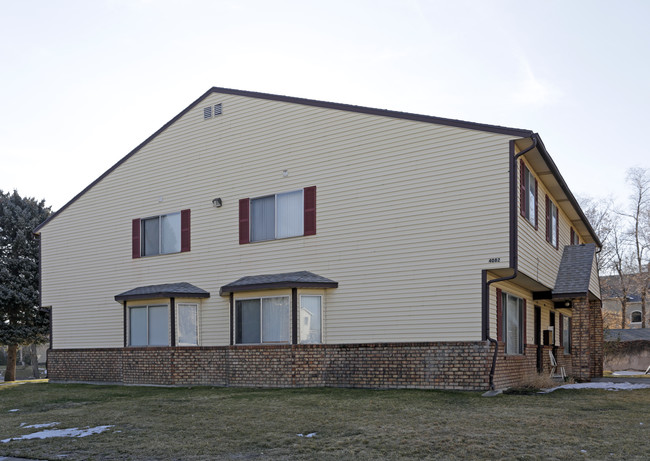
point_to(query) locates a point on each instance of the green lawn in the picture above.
(227, 423)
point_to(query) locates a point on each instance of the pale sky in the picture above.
(84, 82)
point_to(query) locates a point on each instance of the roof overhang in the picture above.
(301, 279)
(167, 290)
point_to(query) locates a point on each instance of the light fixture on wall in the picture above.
(567, 303)
(217, 203)
(285, 173)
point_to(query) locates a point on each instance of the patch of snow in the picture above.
(38, 426)
(72, 432)
(606, 386)
(14, 410)
(627, 373)
(308, 435)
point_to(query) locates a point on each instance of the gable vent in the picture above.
(217, 109)
(207, 112)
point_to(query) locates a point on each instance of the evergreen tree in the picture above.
(22, 320)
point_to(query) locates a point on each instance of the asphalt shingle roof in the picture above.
(575, 270)
(167, 290)
(285, 280)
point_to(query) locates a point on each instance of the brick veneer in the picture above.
(587, 337)
(440, 365)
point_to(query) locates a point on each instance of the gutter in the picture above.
(514, 256)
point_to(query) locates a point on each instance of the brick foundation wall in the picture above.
(440, 365)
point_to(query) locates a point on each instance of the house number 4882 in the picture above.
(494, 260)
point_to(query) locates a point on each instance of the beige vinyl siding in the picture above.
(546, 307)
(408, 214)
(594, 281)
(539, 259)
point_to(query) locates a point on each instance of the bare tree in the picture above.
(639, 214)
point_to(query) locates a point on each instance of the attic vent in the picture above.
(207, 112)
(217, 109)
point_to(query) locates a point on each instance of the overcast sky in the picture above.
(83, 82)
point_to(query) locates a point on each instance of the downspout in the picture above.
(513, 253)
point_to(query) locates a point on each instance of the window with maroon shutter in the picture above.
(278, 216)
(164, 234)
(528, 190)
(552, 223)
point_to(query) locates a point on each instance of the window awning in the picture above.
(167, 290)
(574, 273)
(301, 279)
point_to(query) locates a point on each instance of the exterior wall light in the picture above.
(217, 203)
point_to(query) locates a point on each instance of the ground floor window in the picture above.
(187, 324)
(262, 320)
(513, 318)
(310, 319)
(566, 334)
(149, 325)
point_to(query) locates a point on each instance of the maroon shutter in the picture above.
(548, 220)
(561, 330)
(522, 188)
(536, 206)
(185, 230)
(523, 345)
(499, 316)
(573, 236)
(244, 221)
(135, 239)
(310, 210)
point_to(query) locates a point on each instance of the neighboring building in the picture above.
(627, 349)
(264, 240)
(612, 297)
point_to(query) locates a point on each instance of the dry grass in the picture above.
(218, 423)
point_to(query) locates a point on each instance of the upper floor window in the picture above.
(287, 214)
(552, 223)
(635, 317)
(164, 234)
(575, 238)
(528, 194)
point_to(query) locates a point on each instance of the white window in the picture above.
(149, 326)
(566, 334)
(530, 196)
(187, 324)
(161, 235)
(277, 216)
(262, 320)
(310, 319)
(635, 317)
(552, 224)
(513, 318)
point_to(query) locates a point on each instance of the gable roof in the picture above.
(307, 102)
(574, 273)
(303, 279)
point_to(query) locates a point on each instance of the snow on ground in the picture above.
(606, 386)
(37, 426)
(628, 373)
(72, 432)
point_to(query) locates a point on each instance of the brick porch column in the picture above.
(587, 338)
